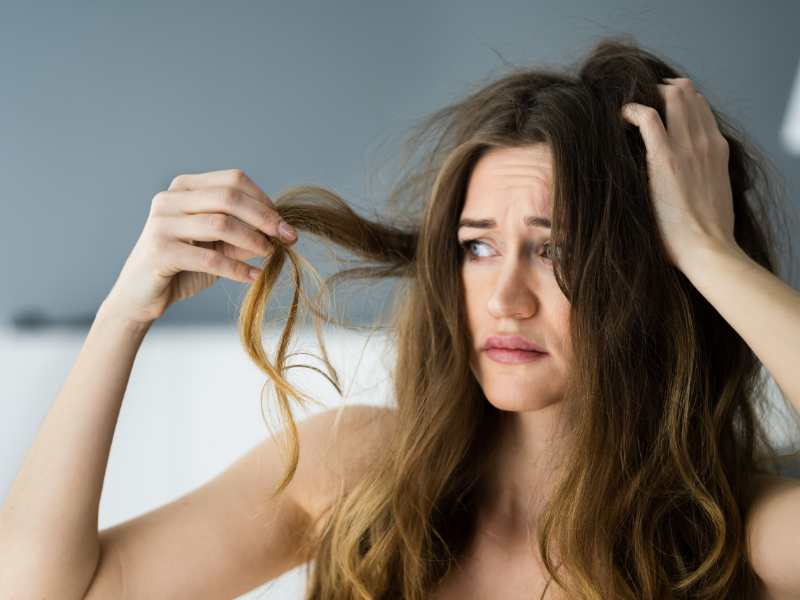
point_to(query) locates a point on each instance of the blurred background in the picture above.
(102, 104)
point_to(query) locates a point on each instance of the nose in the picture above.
(512, 296)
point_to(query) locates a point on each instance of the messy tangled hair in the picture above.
(670, 433)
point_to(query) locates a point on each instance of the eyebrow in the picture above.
(529, 220)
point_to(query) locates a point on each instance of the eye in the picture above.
(549, 252)
(466, 244)
(552, 252)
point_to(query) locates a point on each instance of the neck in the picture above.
(521, 477)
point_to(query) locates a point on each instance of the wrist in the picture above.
(108, 312)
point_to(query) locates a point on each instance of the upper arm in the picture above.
(773, 532)
(227, 536)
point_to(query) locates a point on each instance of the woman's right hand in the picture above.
(203, 227)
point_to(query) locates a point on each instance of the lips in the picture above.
(512, 342)
(503, 355)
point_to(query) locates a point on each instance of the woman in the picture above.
(580, 325)
(624, 455)
(637, 423)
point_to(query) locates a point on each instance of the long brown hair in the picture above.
(670, 434)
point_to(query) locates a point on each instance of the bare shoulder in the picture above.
(773, 535)
(336, 447)
(230, 534)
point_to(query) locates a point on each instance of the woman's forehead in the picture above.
(515, 193)
(512, 176)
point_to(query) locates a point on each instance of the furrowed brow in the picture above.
(530, 221)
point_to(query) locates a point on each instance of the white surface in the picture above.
(193, 405)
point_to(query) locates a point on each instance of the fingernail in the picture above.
(286, 231)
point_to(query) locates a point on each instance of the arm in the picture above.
(227, 536)
(48, 522)
(691, 192)
(690, 187)
(220, 540)
(762, 309)
(687, 165)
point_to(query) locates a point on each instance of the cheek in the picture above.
(473, 298)
(474, 294)
(563, 320)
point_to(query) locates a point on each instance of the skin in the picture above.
(511, 289)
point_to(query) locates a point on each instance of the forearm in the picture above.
(48, 521)
(762, 309)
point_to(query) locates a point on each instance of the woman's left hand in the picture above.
(688, 170)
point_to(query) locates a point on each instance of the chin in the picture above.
(516, 402)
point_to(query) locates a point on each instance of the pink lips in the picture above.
(511, 342)
(512, 349)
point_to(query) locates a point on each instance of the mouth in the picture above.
(510, 356)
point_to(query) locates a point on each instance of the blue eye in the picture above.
(549, 251)
(466, 247)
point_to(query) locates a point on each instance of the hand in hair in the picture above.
(203, 227)
(687, 164)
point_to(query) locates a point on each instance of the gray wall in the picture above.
(103, 103)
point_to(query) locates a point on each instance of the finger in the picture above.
(224, 200)
(231, 250)
(703, 123)
(212, 227)
(235, 178)
(707, 116)
(241, 253)
(650, 126)
(204, 260)
(679, 119)
(695, 103)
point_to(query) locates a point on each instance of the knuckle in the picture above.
(176, 181)
(673, 90)
(677, 94)
(270, 218)
(238, 176)
(218, 221)
(228, 196)
(212, 260)
(683, 83)
(649, 113)
(158, 199)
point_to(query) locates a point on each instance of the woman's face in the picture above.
(508, 280)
